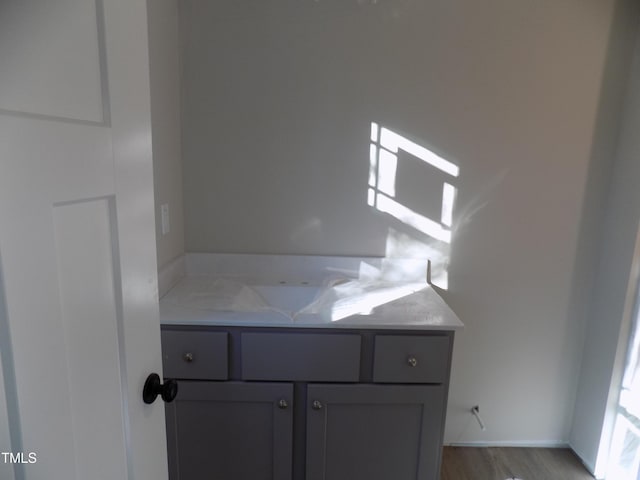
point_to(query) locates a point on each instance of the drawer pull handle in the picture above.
(282, 404)
(316, 405)
(412, 361)
(188, 357)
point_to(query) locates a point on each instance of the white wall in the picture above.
(165, 120)
(609, 312)
(278, 100)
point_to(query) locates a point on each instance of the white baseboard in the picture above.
(521, 444)
(170, 273)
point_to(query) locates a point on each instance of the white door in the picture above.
(79, 327)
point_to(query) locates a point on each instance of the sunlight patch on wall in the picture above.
(412, 219)
(359, 300)
(394, 142)
(382, 194)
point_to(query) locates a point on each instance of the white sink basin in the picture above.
(288, 298)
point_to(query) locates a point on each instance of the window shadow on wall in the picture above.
(422, 229)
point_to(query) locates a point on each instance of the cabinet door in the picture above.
(374, 432)
(230, 431)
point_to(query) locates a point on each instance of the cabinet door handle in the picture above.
(188, 357)
(282, 404)
(412, 361)
(316, 405)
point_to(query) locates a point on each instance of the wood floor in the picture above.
(498, 463)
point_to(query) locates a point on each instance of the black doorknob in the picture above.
(152, 388)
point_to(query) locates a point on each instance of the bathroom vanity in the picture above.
(266, 396)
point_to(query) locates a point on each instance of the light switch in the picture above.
(164, 218)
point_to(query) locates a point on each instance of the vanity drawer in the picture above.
(195, 355)
(307, 357)
(411, 359)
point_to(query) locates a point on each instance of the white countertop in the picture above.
(235, 301)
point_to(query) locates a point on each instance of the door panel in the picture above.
(5, 437)
(91, 324)
(50, 54)
(77, 241)
(8, 404)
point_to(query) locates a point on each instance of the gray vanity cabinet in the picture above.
(306, 404)
(230, 430)
(373, 432)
